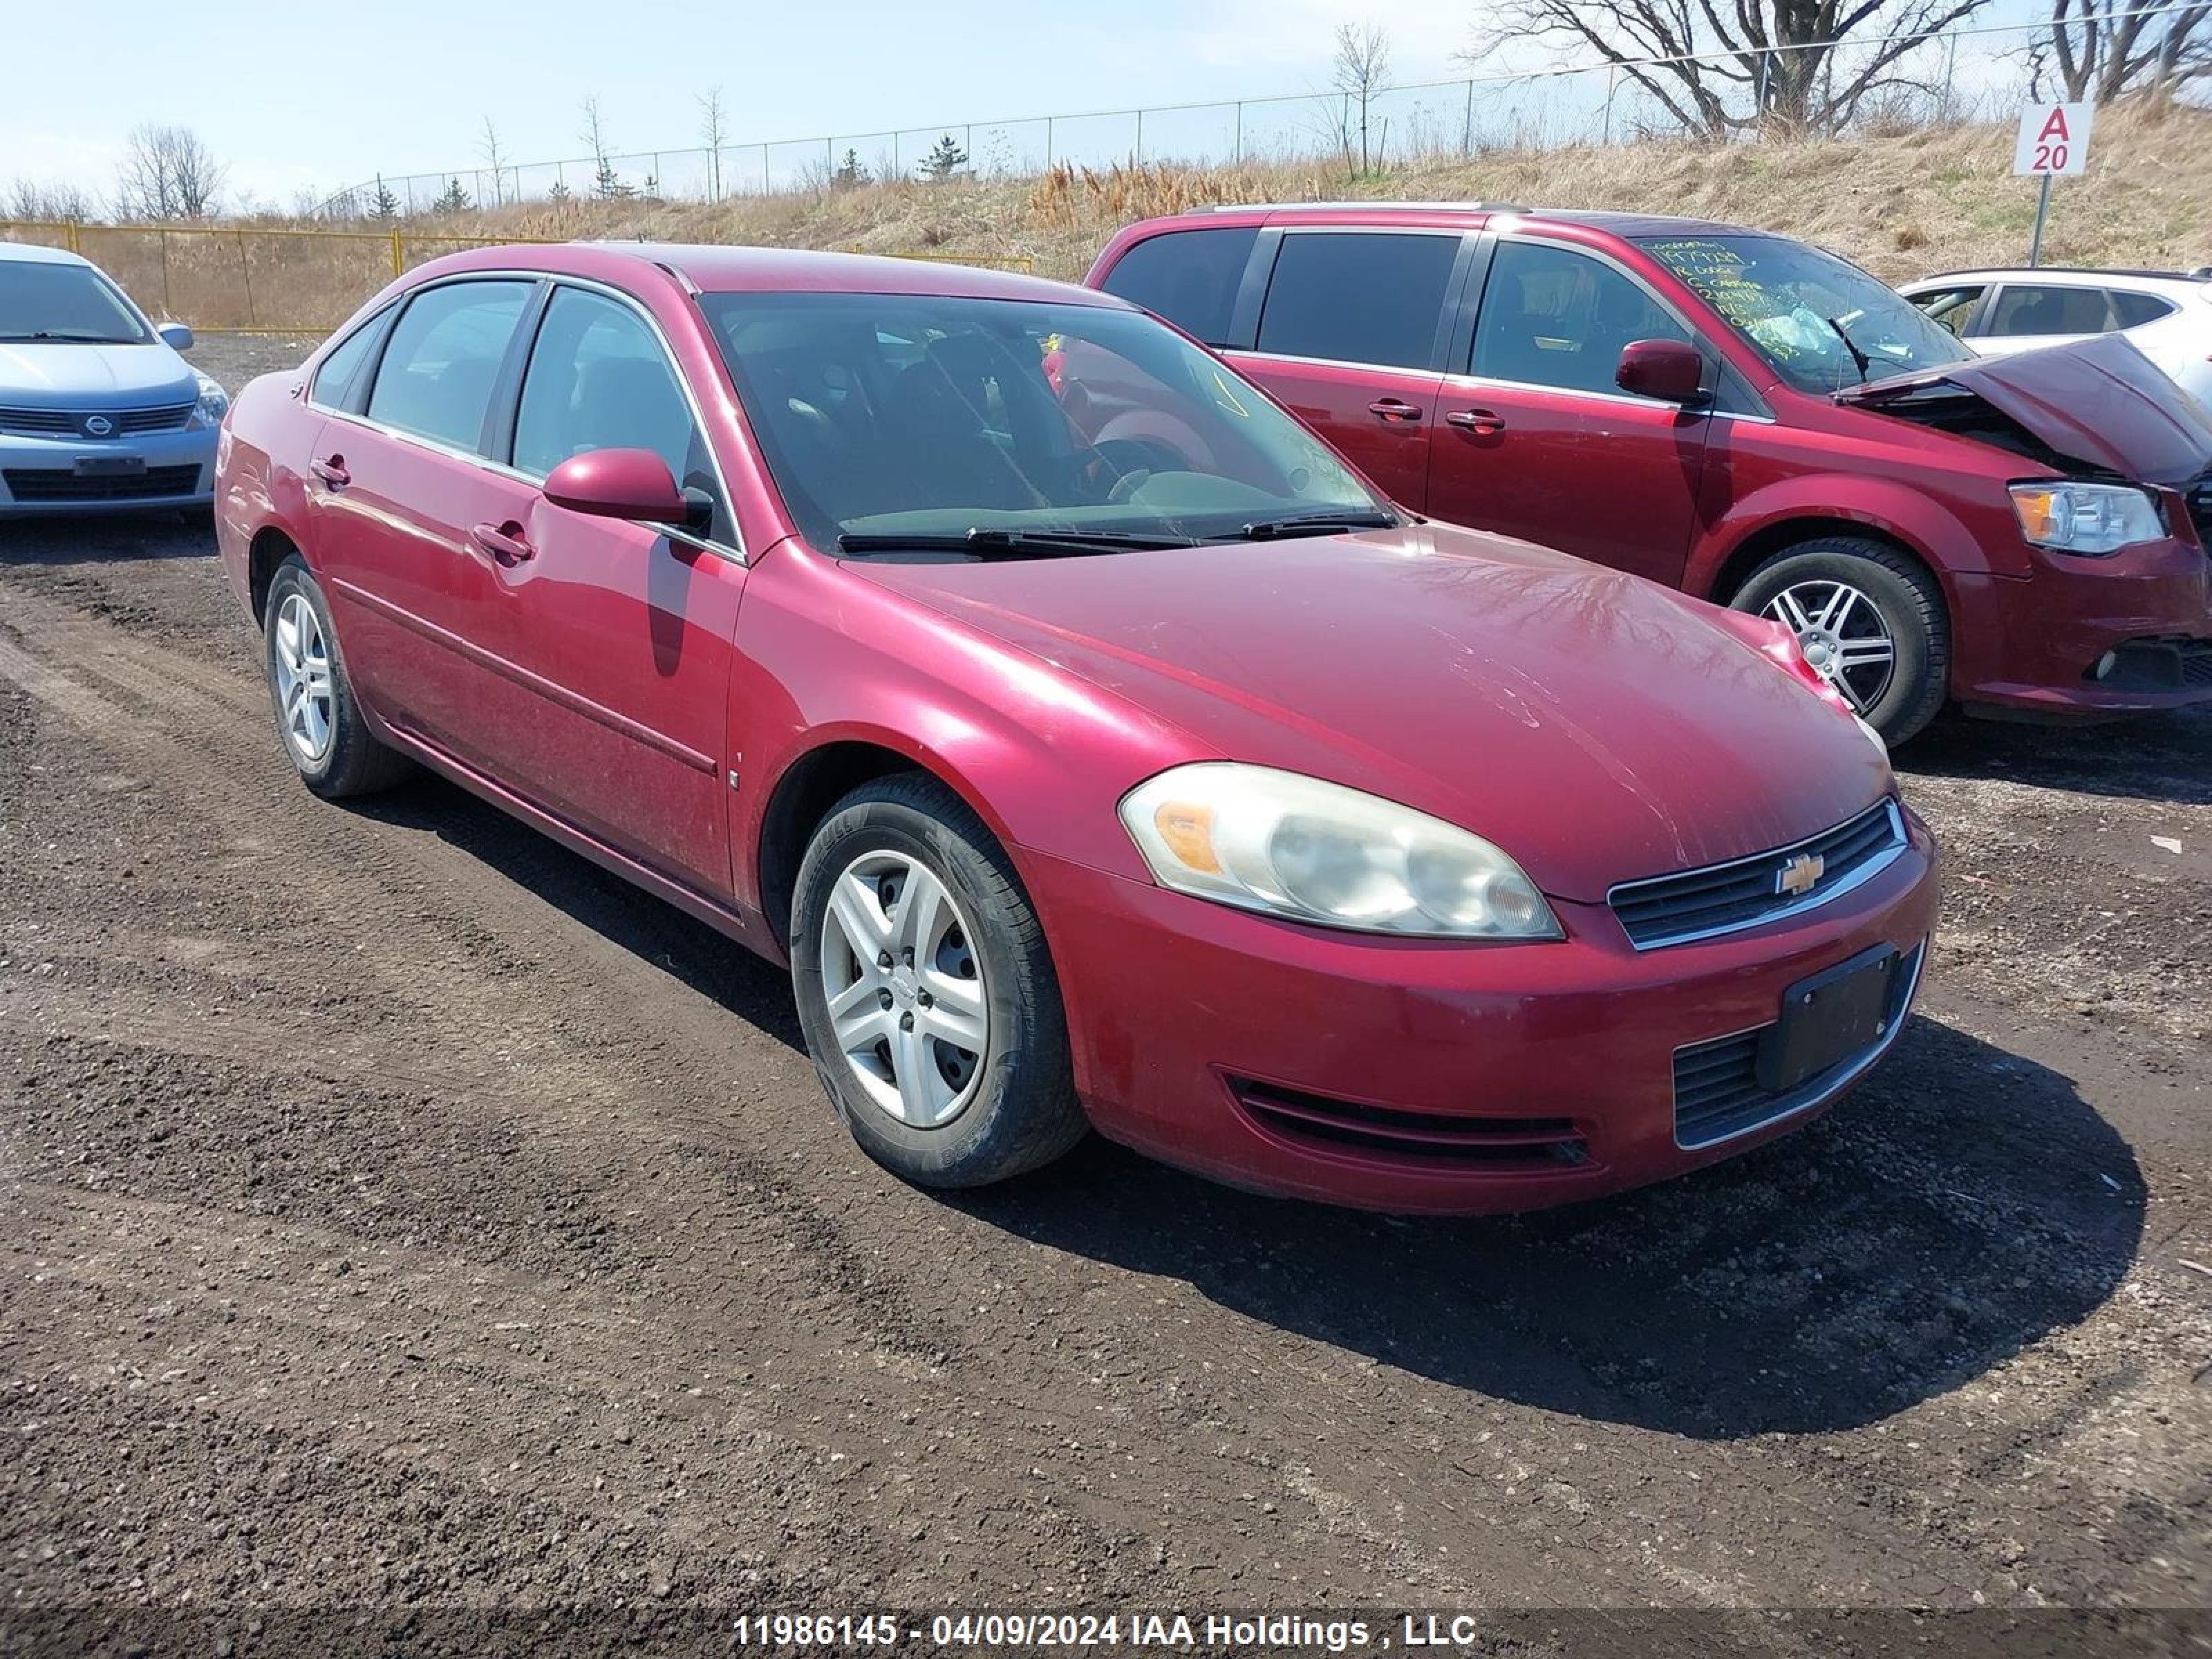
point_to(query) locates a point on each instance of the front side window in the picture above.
(1552, 317)
(1955, 308)
(1189, 276)
(600, 380)
(893, 421)
(1821, 323)
(336, 375)
(2048, 309)
(436, 380)
(71, 303)
(1365, 297)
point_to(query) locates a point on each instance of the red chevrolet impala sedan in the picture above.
(1096, 747)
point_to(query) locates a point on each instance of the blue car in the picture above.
(97, 411)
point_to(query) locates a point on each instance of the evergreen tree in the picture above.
(452, 199)
(383, 206)
(850, 175)
(944, 159)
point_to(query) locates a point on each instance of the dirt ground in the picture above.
(397, 1211)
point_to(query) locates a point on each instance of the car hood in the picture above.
(2099, 403)
(1596, 725)
(58, 374)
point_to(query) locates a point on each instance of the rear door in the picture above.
(1350, 338)
(2020, 316)
(1536, 440)
(622, 632)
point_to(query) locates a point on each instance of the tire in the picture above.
(932, 1109)
(325, 739)
(1896, 595)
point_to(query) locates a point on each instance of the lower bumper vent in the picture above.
(1440, 1140)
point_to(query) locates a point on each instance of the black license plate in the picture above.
(1829, 1018)
(110, 466)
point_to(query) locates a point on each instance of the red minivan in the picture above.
(1742, 415)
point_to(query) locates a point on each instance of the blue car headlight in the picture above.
(213, 401)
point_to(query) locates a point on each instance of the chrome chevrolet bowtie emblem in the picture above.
(1800, 874)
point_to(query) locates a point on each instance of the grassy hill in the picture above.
(1903, 203)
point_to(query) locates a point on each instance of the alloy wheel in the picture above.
(303, 679)
(1843, 634)
(904, 984)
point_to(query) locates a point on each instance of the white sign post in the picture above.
(2053, 143)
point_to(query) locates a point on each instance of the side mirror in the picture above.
(1670, 370)
(619, 483)
(176, 337)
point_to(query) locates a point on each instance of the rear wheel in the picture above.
(1870, 618)
(925, 991)
(321, 723)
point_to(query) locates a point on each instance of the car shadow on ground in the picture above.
(1962, 1203)
(108, 538)
(2162, 757)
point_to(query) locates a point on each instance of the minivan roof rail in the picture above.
(1366, 207)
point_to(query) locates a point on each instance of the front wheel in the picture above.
(325, 736)
(1870, 618)
(927, 995)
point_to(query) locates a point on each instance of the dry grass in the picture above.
(1902, 203)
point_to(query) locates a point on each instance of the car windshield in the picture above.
(1822, 323)
(42, 302)
(924, 423)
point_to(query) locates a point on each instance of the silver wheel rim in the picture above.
(303, 679)
(1843, 634)
(904, 984)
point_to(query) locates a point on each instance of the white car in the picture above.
(2166, 314)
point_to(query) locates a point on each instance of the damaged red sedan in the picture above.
(1094, 745)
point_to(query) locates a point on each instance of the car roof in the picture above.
(717, 268)
(2064, 275)
(37, 253)
(1613, 223)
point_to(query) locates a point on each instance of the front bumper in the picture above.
(39, 475)
(2031, 646)
(1415, 1076)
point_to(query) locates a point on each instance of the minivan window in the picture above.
(2048, 309)
(896, 423)
(436, 377)
(1358, 297)
(600, 380)
(1189, 276)
(64, 302)
(334, 376)
(1821, 322)
(1552, 317)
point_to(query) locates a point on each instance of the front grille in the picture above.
(69, 423)
(1746, 892)
(1437, 1139)
(61, 484)
(1717, 1094)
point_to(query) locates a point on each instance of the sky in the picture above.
(293, 96)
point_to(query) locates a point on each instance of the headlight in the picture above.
(2086, 518)
(214, 400)
(1295, 847)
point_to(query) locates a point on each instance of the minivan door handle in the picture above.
(332, 472)
(1481, 422)
(503, 543)
(1394, 408)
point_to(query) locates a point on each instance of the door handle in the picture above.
(1393, 409)
(332, 472)
(1481, 422)
(502, 542)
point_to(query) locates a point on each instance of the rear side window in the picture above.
(2133, 310)
(436, 377)
(1359, 298)
(598, 380)
(335, 378)
(1954, 307)
(1552, 317)
(1189, 276)
(2021, 309)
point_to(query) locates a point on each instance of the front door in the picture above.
(1534, 439)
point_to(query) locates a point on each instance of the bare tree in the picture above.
(713, 135)
(605, 182)
(495, 157)
(1360, 72)
(1723, 66)
(2100, 53)
(167, 173)
(64, 203)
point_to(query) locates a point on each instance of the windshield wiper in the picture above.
(1317, 524)
(984, 539)
(1864, 362)
(72, 338)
